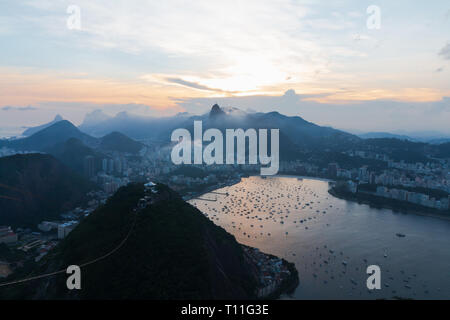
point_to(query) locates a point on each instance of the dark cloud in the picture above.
(445, 52)
(9, 108)
(194, 85)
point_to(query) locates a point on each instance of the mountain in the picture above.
(135, 127)
(297, 136)
(169, 250)
(443, 150)
(376, 135)
(73, 153)
(439, 140)
(296, 132)
(427, 137)
(398, 150)
(304, 134)
(30, 131)
(56, 133)
(36, 187)
(216, 112)
(117, 141)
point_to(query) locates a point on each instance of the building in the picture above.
(65, 228)
(7, 235)
(89, 166)
(46, 226)
(333, 169)
(105, 165)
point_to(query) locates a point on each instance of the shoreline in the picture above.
(339, 196)
(212, 188)
(288, 285)
(355, 198)
(229, 184)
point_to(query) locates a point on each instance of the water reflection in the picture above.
(332, 241)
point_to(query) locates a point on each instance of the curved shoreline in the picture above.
(289, 284)
(352, 198)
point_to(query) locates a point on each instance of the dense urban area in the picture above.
(422, 184)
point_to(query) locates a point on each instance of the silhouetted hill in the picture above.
(299, 139)
(297, 136)
(73, 152)
(117, 141)
(30, 131)
(216, 111)
(378, 135)
(36, 187)
(135, 127)
(48, 137)
(398, 150)
(172, 252)
(443, 150)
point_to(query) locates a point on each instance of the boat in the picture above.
(400, 235)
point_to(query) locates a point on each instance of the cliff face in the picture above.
(172, 252)
(34, 187)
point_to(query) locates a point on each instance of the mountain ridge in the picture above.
(172, 251)
(37, 187)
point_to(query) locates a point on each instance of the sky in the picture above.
(354, 65)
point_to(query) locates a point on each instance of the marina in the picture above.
(333, 241)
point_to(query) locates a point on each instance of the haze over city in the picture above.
(319, 61)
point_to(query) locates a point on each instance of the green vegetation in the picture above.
(37, 187)
(118, 142)
(73, 152)
(48, 137)
(173, 252)
(398, 150)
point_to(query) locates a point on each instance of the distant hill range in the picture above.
(50, 136)
(30, 131)
(299, 139)
(119, 142)
(36, 187)
(294, 130)
(71, 146)
(99, 124)
(434, 138)
(57, 133)
(171, 251)
(383, 135)
(73, 152)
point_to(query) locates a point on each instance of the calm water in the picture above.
(298, 220)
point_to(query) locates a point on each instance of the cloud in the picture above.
(375, 115)
(192, 84)
(9, 108)
(248, 45)
(445, 52)
(440, 69)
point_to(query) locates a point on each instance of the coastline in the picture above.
(236, 181)
(212, 188)
(366, 199)
(288, 285)
(408, 209)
